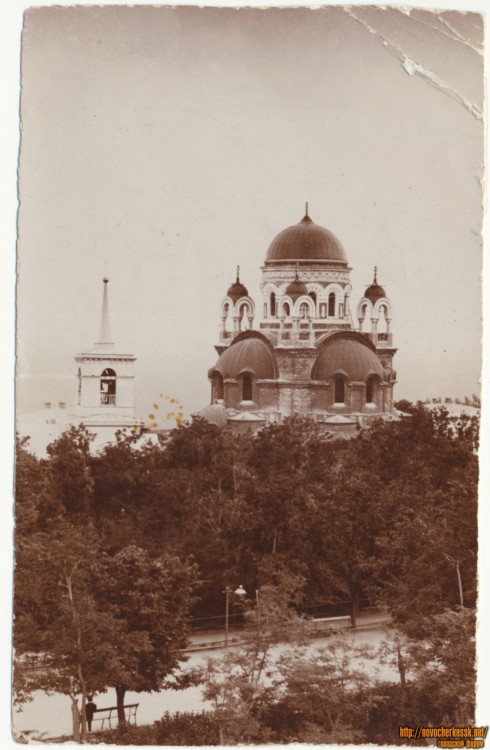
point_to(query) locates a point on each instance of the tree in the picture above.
(34, 501)
(147, 601)
(323, 693)
(436, 666)
(420, 492)
(444, 655)
(96, 621)
(287, 469)
(72, 481)
(405, 406)
(245, 681)
(57, 622)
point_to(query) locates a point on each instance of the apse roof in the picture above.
(215, 414)
(251, 354)
(349, 356)
(246, 416)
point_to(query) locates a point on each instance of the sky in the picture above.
(165, 146)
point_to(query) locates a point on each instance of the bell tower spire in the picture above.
(105, 331)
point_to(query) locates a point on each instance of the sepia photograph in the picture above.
(248, 376)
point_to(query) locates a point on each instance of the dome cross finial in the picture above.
(306, 218)
(238, 274)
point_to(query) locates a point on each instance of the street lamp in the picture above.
(240, 591)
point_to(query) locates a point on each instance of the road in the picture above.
(50, 716)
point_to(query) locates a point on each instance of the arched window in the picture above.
(243, 322)
(218, 387)
(304, 310)
(383, 323)
(364, 319)
(339, 393)
(226, 312)
(370, 390)
(247, 388)
(331, 305)
(108, 387)
(312, 296)
(273, 305)
(286, 310)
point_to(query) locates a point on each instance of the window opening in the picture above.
(247, 389)
(370, 391)
(383, 323)
(303, 310)
(244, 318)
(339, 391)
(218, 387)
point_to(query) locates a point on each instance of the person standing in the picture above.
(90, 709)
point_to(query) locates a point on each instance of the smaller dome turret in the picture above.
(296, 288)
(375, 292)
(237, 289)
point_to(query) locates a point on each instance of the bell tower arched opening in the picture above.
(108, 387)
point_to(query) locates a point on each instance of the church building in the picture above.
(307, 356)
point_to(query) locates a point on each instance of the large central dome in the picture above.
(306, 241)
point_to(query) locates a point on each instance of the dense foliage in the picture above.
(114, 551)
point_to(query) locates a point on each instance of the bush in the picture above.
(177, 729)
(188, 729)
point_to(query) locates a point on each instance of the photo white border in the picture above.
(11, 18)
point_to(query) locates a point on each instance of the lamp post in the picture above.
(240, 591)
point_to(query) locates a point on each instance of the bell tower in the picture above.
(106, 376)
